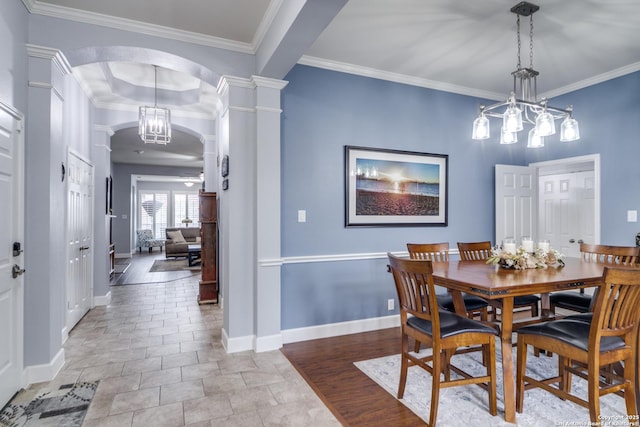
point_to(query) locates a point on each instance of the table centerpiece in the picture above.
(522, 260)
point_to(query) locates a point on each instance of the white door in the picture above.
(11, 230)
(566, 210)
(79, 287)
(515, 199)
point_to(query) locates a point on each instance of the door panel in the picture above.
(11, 230)
(80, 239)
(567, 210)
(516, 204)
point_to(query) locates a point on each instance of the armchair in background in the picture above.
(146, 240)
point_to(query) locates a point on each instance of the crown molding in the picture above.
(344, 67)
(609, 75)
(63, 12)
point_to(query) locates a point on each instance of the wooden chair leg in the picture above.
(491, 371)
(404, 366)
(521, 365)
(435, 388)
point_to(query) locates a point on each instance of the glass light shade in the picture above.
(512, 119)
(507, 137)
(480, 128)
(535, 140)
(545, 125)
(154, 125)
(569, 130)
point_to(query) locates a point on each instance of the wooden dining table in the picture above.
(495, 283)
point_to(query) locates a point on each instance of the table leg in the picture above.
(458, 302)
(545, 306)
(508, 380)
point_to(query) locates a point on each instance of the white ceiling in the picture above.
(464, 46)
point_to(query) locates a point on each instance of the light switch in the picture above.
(302, 216)
(632, 216)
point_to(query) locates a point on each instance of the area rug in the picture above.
(66, 406)
(468, 405)
(172, 265)
(121, 268)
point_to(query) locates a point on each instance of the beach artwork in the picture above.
(389, 187)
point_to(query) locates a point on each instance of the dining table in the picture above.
(493, 282)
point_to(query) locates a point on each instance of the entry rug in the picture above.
(66, 407)
(172, 265)
(468, 405)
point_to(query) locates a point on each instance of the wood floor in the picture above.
(327, 365)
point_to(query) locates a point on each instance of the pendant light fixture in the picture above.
(515, 112)
(154, 123)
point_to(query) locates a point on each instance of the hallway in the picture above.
(160, 362)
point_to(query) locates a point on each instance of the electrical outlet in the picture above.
(391, 304)
(632, 216)
(302, 216)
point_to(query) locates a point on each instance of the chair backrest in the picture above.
(620, 255)
(616, 311)
(144, 235)
(474, 251)
(416, 290)
(429, 251)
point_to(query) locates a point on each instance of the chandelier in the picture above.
(526, 108)
(154, 123)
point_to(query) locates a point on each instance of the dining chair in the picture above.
(584, 348)
(422, 319)
(481, 251)
(474, 306)
(580, 302)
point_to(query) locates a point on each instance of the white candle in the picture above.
(509, 245)
(527, 245)
(544, 245)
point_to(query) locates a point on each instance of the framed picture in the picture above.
(224, 168)
(394, 188)
(109, 196)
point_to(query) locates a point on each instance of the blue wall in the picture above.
(323, 112)
(609, 116)
(326, 110)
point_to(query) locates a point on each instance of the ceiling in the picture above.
(463, 46)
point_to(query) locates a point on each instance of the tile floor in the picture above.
(160, 362)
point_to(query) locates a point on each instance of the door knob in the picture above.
(572, 240)
(17, 271)
(84, 248)
(581, 241)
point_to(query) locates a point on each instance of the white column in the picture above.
(268, 170)
(101, 155)
(249, 133)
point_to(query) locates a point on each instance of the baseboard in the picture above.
(125, 254)
(268, 343)
(236, 345)
(274, 342)
(337, 329)
(102, 299)
(47, 372)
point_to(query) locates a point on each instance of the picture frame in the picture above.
(109, 196)
(224, 167)
(385, 187)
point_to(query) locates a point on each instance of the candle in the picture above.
(527, 244)
(543, 245)
(509, 245)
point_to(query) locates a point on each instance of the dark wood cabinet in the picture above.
(208, 289)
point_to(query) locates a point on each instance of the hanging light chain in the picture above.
(155, 85)
(518, 32)
(530, 41)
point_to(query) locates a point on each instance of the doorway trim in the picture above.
(569, 165)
